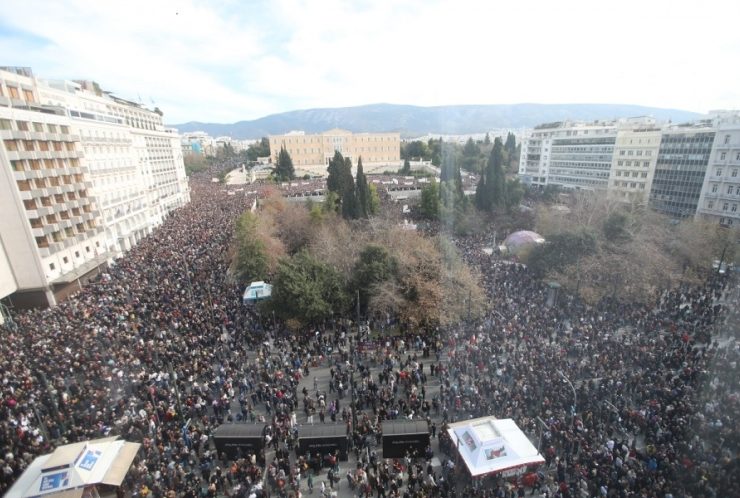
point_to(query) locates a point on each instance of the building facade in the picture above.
(52, 230)
(135, 164)
(680, 168)
(719, 201)
(85, 176)
(569, 154)
(633, 163)
(313, 152)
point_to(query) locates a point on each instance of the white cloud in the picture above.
(230, 60)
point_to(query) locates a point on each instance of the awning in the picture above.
(489, 445)
(119, 468)
(72, 468)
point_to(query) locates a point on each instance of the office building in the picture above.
(680, 168)
(569, 154)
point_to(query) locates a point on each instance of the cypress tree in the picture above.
(363, 192)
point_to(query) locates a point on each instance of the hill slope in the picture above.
(415, 121)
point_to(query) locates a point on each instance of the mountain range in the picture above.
(414, 121)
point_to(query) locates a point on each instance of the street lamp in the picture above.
(575, 396)
(547, 427)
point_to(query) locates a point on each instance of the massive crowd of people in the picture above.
(160, 351)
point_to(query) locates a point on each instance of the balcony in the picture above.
(20, 135)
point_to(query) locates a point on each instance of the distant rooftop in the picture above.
(19, 70)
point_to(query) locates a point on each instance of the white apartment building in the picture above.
(719, 201)
(57, 133)
(51, 232)
(633, 162)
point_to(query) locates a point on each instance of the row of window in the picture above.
(38, 164)
(54, 181)
(65, 259)
(645, 164)
(630, 184)
(635, 174)
(731, 189)
(725, 206)
(38, 145)
(564, 149)
(15, 92)
(580, 165)
(7, 124)
(635, 152)
(718, 172)
(723, 156)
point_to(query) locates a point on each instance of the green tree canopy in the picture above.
(284, 170)
(414, 149)
(250, 261)
(259, 149)
(374, 266)
(307, 290)
(429, 205)
(491, 190)
(561, 250)
(374, 201)
(362, 191)
(340, 174)
(406, 170)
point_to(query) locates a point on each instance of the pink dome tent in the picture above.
(520, 243)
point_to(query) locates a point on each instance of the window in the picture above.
(714, 188)
(725, 206)
(77, 254)
(727, 137)
(65, 259)
(621, 152)
(619, 173)
(5, 124)
(718, 172)
(710, 205)
(52, 266)
(648, 152)
(723, 156)
(38, 127)
(28, 95)
(22, 125)
(639, 152)
(734, 173)
(13, 91)
(734, 208)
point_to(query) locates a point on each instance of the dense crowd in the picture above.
(160, 351)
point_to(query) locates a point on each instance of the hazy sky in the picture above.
(227, 60)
